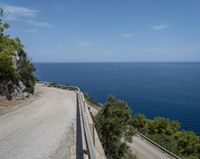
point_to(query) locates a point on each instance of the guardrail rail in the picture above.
(159, 146)
(92, 153)
(88, 136)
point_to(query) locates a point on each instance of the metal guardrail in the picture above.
(88, 136)
(94, 106)
(158, 146)
(81, 101)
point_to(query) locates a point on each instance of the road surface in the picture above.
(42, 129)
(145, 150)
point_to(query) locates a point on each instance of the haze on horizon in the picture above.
(106, 31)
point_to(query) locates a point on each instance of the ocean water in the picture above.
(155, 89)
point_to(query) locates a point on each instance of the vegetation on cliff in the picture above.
(15, 67)
(115, 125)
(168, 134)
(115, 128)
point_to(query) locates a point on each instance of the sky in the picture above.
(106, 30)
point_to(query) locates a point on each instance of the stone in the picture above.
(11, 90)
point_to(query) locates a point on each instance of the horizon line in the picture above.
(122, 62)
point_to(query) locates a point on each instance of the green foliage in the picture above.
(188, 143)
(7, 49)
(10, 48)
(7, 71)
(25, 68)
(165, 141)
(163, 126)
(114, 125)
(166, 133)
(140, 122)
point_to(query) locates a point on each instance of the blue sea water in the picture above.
(155, 89)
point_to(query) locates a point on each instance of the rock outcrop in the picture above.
(11, 89)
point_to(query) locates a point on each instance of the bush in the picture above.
(114, 126)
(140, 122)
(7, 71)
(166, 133)
(188, 143)
(163, 126)
(19, 69)
(25, 70)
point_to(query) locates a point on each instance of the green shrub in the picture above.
(7, 71)
(166, 133)
(9, 48)
(114, 126)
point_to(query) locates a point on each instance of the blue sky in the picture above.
(106, 30)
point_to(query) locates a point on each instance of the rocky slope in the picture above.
(16, 70)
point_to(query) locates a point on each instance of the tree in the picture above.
(7, 49)
(7, 71)
(114, 125)
(166, 133)
(14, 63)
(163, 126)
(188, 143)
(140, 122)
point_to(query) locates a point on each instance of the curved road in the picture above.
(145, 150)
(141, 147)
(42, 129)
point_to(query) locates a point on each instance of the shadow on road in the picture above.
(79, 144)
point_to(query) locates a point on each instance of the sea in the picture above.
(169, 89)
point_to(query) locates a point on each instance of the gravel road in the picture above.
(42, 129)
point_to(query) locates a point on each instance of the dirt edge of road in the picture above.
(7, 106)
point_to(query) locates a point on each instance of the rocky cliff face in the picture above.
(11, 89)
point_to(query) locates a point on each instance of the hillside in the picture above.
(16, 70)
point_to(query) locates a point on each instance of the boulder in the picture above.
(12, 90)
